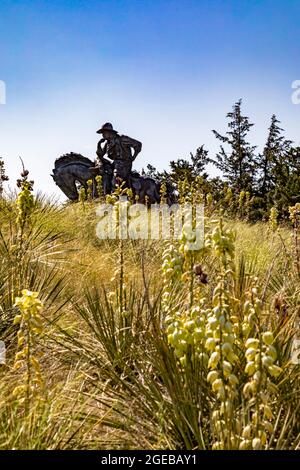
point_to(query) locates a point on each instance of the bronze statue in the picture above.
(74, 170)
(122, 149)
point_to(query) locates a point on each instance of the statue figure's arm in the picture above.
(137, 147)
(134, 144)
(101, 151)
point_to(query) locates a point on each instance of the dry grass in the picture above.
(112, 379)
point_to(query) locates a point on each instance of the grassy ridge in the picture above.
(117, 357)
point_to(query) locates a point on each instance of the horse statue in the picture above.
(72, 171)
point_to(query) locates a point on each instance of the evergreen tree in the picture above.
(151, 171)
(200, 161)
(182, 169)
(286, 174)
(189, 170)
(237, 165)
(273, 156)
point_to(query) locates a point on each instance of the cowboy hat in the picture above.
(107, 127)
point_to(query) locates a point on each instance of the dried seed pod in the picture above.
(202, 276)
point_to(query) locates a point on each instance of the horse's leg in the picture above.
(142, 196)
(156, 194)
(152, 193)
(106, 185)
(95, 192)
(74, 190)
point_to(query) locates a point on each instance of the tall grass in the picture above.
(137, 349)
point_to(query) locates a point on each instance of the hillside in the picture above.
(143, 344)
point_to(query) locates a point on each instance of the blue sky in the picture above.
(163, 71)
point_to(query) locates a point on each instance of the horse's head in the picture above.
(69, 170)
(66, 183)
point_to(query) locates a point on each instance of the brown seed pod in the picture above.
(198, 269)
(201, 275)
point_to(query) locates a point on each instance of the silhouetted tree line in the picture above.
(259, 180)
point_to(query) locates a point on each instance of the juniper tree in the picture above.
(286, 191)
(270, 161)
(150, 171)
(199, 161)
(182, 169)
(238, 164)
(189, 170)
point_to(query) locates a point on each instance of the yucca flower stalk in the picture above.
(273, 219)
(221, 339)
(172, 270)
(25, 201)
(260, 355)
(184, 191)
(198, 190)
(24, 208)
(99, 185)
(209, 204)
(295, 219)
(241, 204)
(30, 324)
(82, 196)
(228, 201)
(248, 205)
(90, 190)
(3, 177)
(121, 204)
(180, 191)
(163, 193)
(188, 237)
(129, 193)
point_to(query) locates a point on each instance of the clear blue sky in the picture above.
(162, 71)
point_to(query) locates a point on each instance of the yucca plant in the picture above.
(145, 344)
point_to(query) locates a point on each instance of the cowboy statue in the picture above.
(121, 149)
(73, 171)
